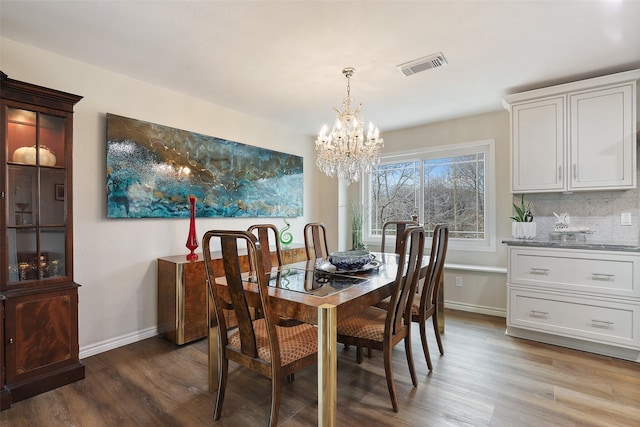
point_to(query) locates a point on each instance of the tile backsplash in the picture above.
(598, 211)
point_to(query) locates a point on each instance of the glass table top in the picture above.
(313, 282)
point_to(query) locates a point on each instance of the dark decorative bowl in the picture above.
(350, 260)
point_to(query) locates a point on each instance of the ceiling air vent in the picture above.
(426, 63)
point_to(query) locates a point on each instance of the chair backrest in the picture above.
(263, 232)
(398, 226)
(409, 262)
(233, 296)
(431, 286)
(315, 240)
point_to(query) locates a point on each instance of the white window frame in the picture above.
(487, 147)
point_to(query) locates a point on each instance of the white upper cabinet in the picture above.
(602, 138)
(538, 145)
(576, 136)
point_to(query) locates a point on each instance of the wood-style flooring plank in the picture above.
(484, 379)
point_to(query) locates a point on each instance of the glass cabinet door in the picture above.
(36, 195)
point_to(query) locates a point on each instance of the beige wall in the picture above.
(480, 291)
(115, 260)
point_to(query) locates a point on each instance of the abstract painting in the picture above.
(152, 170)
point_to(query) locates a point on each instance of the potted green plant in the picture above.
(523, 226)
(357, 219)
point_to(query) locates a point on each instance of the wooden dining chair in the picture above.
(426, 302)
(383, 329)
(263, 345)
(315, 240)
(397, 226)
(264, 234)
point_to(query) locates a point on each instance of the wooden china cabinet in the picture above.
(39, 334)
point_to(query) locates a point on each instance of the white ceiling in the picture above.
(281, 60)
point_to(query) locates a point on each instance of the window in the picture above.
(452, 184)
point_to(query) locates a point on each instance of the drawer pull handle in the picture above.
(539, 314)
(602, 276)
(536, 270)
(601, 323)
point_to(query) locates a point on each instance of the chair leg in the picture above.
(409, 353)
(359, 356)
(275, 400)
(222, 385)
(389, 374)
(436, 328)
(425, 347)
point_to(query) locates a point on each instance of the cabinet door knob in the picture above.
(10, 340)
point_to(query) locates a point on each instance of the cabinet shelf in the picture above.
(28, 165)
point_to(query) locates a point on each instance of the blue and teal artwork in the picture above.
(152, 170)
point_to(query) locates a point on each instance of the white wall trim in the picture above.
(101, 347)
(476, 268)
(106, 345)
(490, 311)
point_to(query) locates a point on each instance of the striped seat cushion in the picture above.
(295, 342)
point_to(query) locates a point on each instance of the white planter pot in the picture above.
(523, 230)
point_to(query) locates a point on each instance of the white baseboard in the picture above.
(93, 349)
(101, 347)
(491, 311)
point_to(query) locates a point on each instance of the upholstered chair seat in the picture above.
(295, 342)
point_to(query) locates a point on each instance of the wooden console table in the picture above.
(182, 293)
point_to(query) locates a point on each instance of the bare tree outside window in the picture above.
(395, 191)
(454, 194)
(452, 191)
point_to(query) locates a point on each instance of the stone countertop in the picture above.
(579, 244)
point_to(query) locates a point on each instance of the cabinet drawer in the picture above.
(607, 273)
(584, 318)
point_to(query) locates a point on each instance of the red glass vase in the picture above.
(192, 239)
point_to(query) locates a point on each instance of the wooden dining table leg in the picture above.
(327, 365)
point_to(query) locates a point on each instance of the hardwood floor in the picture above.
(485, 378)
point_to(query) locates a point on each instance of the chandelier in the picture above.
(345, 151)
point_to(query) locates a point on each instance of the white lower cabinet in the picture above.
(582, 299)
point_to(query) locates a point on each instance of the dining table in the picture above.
(315, 292)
